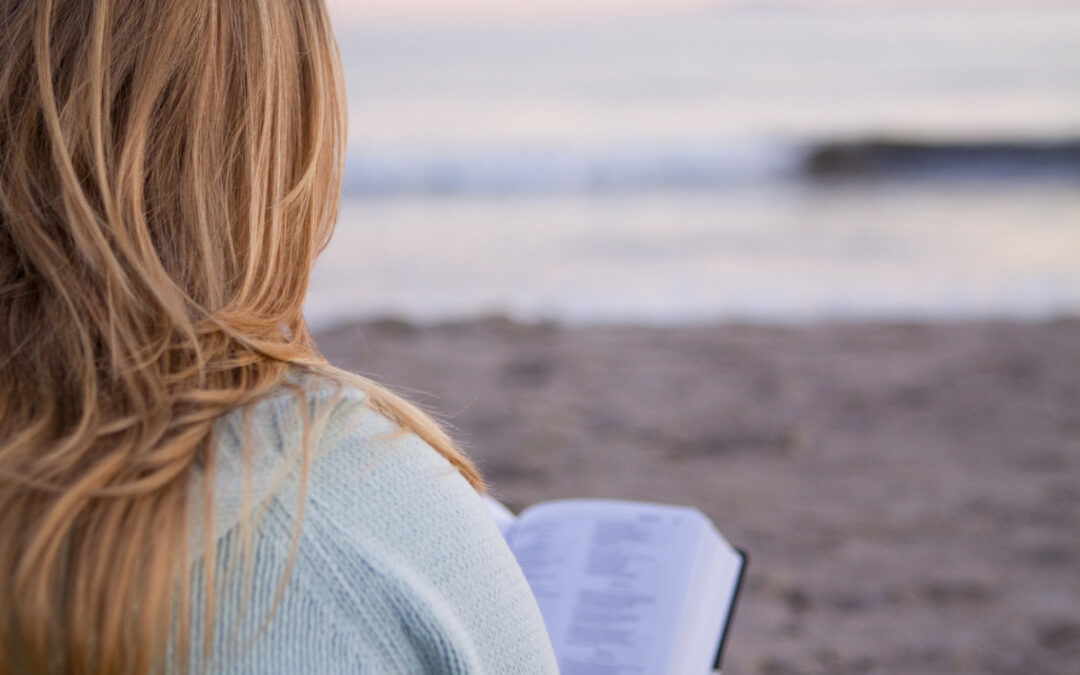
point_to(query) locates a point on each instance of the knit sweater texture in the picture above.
(398, 566)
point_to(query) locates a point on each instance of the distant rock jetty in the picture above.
(887, 157)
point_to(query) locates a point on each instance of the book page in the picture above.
(610, 578)
(503, 517)
(706, 615)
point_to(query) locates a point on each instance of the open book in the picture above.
(627, 588)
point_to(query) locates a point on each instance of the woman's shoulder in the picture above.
(303, 405)
(393, 537)
(318, 433)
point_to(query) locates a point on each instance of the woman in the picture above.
(185, 484)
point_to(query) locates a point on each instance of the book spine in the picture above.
(718, 661)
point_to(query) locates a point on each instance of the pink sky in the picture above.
(355, 11)
(358, 10)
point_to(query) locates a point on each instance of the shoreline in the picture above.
(908, 491)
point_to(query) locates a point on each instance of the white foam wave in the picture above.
(569, 169)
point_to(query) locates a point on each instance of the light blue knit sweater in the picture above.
(399, 568)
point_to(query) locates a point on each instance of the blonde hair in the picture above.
(169, 172)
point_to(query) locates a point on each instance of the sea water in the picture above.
(662, 167)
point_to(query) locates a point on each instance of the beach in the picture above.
(909, 493)
(799, 265)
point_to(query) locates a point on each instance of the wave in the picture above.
(539, 170)
(701, 166)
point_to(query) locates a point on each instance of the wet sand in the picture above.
(909, 494)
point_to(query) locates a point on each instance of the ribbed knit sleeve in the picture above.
(399, 568)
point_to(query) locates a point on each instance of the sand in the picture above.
(909, 494)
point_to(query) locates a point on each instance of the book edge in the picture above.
(745, 558)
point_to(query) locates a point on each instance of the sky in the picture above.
(357, 11)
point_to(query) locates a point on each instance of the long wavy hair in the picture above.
(169, 171)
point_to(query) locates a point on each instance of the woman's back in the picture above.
(398, 567)
(169, 172)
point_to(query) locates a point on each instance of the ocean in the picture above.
(762, 162)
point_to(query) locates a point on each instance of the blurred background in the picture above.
(689, 161)
(809, 266)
